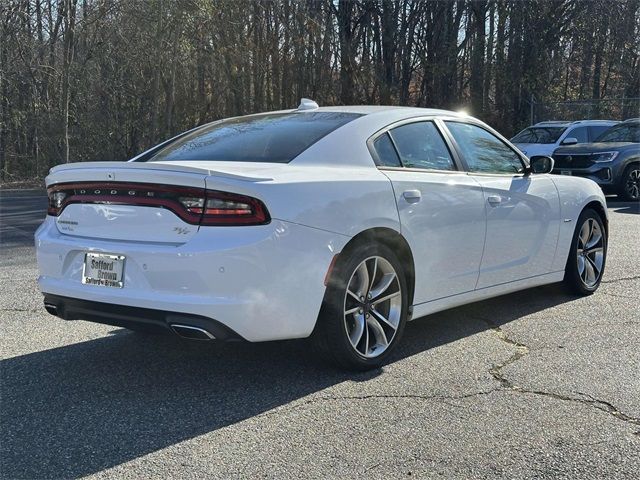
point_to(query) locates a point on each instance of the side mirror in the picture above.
(541, 164)
(569, 141)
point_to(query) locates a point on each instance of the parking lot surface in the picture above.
(537, 384)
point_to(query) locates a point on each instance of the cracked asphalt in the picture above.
(537, 384)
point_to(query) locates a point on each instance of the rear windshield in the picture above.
(623, 132)
(275, 138)
(539, 135)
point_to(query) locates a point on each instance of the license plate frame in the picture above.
(566, 172)
(103, 270)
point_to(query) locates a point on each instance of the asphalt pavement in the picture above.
(537, 384)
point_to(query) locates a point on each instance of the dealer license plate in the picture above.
(103, 270)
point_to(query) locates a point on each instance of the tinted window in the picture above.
(421, 146)
(580, 134)
(595, 132)
(278, 137)
(386, 152)
(483, 151)
(539, 135)
(623, 132)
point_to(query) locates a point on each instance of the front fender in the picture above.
(575, 194)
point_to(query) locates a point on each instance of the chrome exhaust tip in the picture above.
(192, 333)
(51, 308)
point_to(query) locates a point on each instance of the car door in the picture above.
(441, 209)
(522, 210)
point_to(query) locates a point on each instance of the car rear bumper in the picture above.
(260, 282)
(135, 317)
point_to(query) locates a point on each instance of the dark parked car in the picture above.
(612, 161)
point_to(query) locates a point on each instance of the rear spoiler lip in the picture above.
(124, 166)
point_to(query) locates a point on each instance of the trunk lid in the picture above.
(130, 201)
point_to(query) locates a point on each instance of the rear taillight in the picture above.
(56, 201)
(222, 208)
(193, 205)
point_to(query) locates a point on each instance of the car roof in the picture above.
(338, 148)
(371, 109)
(564, 123)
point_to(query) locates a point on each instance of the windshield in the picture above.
(539, 135)
(623, 132)
(276, 138)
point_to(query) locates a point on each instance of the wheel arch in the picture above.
(630, 161)
(396, 242)
(600, 210)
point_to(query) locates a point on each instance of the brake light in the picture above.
(222, 208)
(56, 200)
(196, 206)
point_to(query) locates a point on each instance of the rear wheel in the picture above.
(365, 308)
(587, 258)
(630, 185)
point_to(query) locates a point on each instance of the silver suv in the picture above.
(544, 137)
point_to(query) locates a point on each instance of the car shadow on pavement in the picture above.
(623, 207)
(82, 408)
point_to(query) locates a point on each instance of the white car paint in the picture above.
(266, 282)
(450, 218)
(523, 220)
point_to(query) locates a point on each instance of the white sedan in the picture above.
(340, 223)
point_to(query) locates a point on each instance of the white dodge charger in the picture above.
(339, 223)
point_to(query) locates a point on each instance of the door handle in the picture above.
(412, 196)
(494, 199)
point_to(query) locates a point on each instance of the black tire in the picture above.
(330, 336)
(573, 277)
(630, 183)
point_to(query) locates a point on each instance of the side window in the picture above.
(595, 132)
(420, 145)
(386, 152)
(580, 134)
(483, 151)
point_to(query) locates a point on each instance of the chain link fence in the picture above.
(593, 109)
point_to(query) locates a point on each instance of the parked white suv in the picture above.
(544, 137)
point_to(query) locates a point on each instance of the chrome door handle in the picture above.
(494, 199)
(412, 196)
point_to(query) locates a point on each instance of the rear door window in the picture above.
(420, 145)
(545, 135)
(385, 152)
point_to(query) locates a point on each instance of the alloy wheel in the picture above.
(590, 252)
(632, 185)
(372, 306)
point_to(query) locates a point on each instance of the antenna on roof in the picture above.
(307, 104)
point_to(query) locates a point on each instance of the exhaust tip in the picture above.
(192, 333)
(51, 308)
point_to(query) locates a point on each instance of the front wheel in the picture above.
(588, 254)
(630, 184)
(364, 310)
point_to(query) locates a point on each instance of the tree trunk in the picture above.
(68, 40)
(476, 82)
(345, 13)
